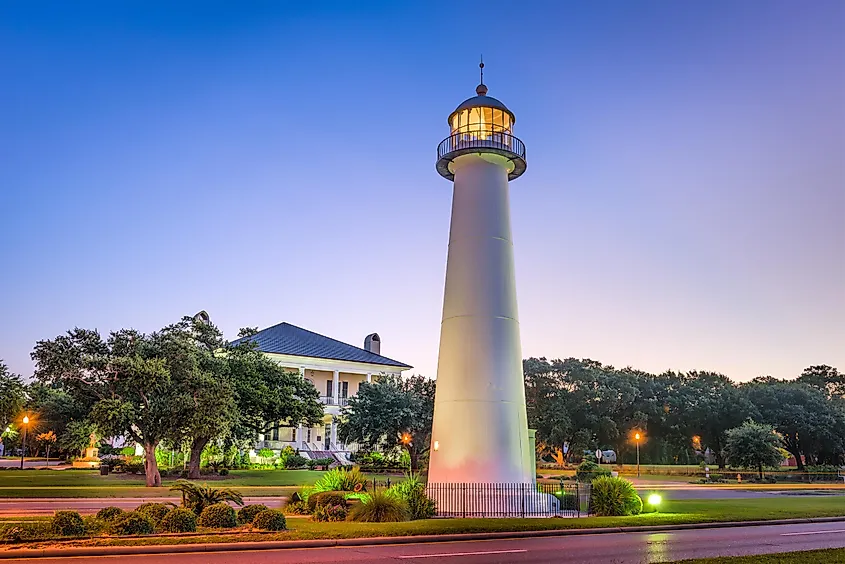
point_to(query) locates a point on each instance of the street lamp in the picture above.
(23, 441)
(637, 438)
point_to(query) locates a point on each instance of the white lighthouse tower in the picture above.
(480, 432)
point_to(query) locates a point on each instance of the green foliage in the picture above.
(614, 497)
(295, 461)
(131, 465)
(330, 513)
(270, 520)
(388, 409)
(296, 508)
(197, 497)
(381, 507)
(76, 436)
(753, 445)
(313, 463)
(179, 520)
(12, 395)
(67, 524)
(218, 516)
(265, 454)
(589, 471)
(109, 513)
(341, 480)
(412, 491)
(155, 511)
(133, 523)
(248, 512)
(325, 498)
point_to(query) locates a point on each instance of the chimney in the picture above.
(372, 343)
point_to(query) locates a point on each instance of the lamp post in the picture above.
(23, 440)
(637, 438)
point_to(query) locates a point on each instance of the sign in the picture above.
(598, 455)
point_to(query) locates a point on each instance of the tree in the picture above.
(391, 412)
(76, 437)
(824, 378)
(47, 439)
(12, 395)
(753, 445)
(128, 380)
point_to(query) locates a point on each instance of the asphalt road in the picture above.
(615, 548)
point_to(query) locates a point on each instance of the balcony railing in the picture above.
(489, 141)
(329, 400)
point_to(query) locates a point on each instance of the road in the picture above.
(615, 548)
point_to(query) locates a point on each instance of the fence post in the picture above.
(464, 500)
(522, 487)
(577, 498)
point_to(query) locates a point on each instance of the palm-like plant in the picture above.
(197, 497)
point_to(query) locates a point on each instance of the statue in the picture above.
(91, 458)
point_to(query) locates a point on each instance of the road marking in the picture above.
(443, 554)
(812, 533)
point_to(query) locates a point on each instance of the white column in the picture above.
(299, 431)
(480, 422)
(336, 387)
(333, 436)
(369, 377)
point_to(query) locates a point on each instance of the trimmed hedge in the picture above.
(133, 523)
(218, 516)
(179, 520)
(155, 511)
(109, 513)
(247, 513)
(589, 471)
(67, 524)
(270, 520)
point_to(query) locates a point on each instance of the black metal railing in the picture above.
(487, 139)
(510, 499)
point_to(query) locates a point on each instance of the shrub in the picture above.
(133, 523)
(420, 505)
(614, 497)
(218, 516)
(109, 513)
(155, 511)
(330, 513)
(223, 472)
(381, 507)
(325, 498)
(31, 530)
(296, 508)
(248, 512)
(341, 480)
(179, 520)
(132, 465)
(67, 524)
(269, 520)
(295, 461)
(589, 471)
(197, 497)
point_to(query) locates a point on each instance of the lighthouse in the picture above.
(480, 432)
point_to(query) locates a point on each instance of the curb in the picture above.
(377, 541)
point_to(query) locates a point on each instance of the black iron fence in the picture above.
(510, 500)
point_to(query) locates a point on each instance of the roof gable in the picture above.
(285, 338)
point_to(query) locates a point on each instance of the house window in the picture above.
(275, 434)
(308, 436)
(329, 390)
(344, 389)
(293, 434)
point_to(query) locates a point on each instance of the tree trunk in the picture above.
(197, 446)
(48, 456)
(151, 466)
(760, 468)
(415, 459)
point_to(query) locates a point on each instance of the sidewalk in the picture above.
(374, 541)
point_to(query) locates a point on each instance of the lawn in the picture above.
(828, 556)
(675, 512)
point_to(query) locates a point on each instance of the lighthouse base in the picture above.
(494, 500)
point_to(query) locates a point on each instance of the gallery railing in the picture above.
(485, 139)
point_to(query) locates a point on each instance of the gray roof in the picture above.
(285, 338)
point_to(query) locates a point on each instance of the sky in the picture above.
(683, 207)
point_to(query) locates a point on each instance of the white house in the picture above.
(335, 368)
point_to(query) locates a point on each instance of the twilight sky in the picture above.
(683, 208)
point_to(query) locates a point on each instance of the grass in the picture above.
(674, 512)
(826, 556)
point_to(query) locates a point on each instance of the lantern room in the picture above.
(483, 125)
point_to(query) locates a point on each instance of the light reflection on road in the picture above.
(658, 547)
